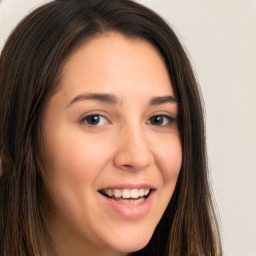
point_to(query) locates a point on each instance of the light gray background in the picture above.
(220, 37)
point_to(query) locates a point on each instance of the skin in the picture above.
(125, 147)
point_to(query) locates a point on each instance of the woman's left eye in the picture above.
(161, 120)
(95, 120)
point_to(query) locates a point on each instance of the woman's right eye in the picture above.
(94, 120)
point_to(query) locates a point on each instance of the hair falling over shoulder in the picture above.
(30, 65)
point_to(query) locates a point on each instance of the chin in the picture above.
(131, 244)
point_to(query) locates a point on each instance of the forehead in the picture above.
(115, 63)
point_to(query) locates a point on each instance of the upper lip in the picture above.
(129, 186)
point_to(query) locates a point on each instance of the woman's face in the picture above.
(112, 146)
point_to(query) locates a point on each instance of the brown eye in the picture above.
(95, 120)
(161, 120)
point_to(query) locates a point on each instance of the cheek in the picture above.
(169, 159)
(73, 155)
(73, 170)
(73, 167)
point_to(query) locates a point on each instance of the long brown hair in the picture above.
(30, 65)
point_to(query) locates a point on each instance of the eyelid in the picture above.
(82, 120)
(170, 118)
(92, 113)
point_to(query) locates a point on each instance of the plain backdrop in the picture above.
(220, 38)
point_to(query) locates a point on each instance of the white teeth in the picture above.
(146, 191)
(117, 193)
(134, 193)
(110, 192)
(141, 192)
(127, 193)
(138, 201)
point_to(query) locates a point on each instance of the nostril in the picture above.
(127, 166)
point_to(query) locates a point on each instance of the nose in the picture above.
(133, 151)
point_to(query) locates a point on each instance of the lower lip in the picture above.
(130, 211)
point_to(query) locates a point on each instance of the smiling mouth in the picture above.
(127, 196)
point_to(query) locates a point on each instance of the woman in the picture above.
(102, 136)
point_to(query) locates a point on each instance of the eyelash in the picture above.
(85, 120)
(168, 120)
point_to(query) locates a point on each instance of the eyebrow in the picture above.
(102, 97)
(162, 100)
(113, 100)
